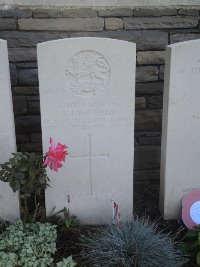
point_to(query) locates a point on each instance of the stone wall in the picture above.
(151, 29)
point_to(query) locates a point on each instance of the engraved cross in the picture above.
(90, 157)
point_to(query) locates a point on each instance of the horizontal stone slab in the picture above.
(147, 74)
(140, 134)
(26, 65)
(25, 90)
(47, 13)
(68, 13)
(19, 105)
(33, 98)
(180, 37)
(155, 102)
(140, 102)
(147, 157)
(113, 24)
(22, 138)
(102, 3)
(22, 54)
(28, 77)
(79, 13)
(146, 175)
(15, 13)
(62, 24)
(153, 88)
(149, 141)
(145, 40)
(31, 147)
(34, 108)
(160, 23)
(188, 12)
(155, 12)
(27, 124)
(7, 24)
(116, 12)
(36, 137)
(148, 120)
(151, 57)
(28, 39)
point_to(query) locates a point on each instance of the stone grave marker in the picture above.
(9, 202)
(180, 152)
(87, 89)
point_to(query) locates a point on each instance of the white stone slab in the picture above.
(87, 88)
(99, 3)
(180, 159)
(9, 202)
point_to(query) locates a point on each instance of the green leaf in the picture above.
(23, 168)
(42, 179)
(191, 234)
(198, 258)
(32, 172)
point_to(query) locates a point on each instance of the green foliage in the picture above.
(24, 172)
(66, 222)
(135, 243)
(191, 244)
(71, 222)
(8, 259)
(66, 262)
(29, 246)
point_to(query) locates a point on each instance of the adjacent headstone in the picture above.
(9, 202)
(180, 156)
(87, 88)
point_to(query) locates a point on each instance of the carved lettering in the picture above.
(187, 190)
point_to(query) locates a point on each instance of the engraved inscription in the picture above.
(194, 70)
(89, 115)
(196, 116)
(187, 190)
(88, 73)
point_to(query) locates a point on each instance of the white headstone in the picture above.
(87, 89)
(180, 160)
(9, 202)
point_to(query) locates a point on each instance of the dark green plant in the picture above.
(191, 245)
(3, 225)
(32, 245)
(24, 172)
(67, 222)
(136, 243)
(71, 222)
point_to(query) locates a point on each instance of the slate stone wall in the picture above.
(150, 29)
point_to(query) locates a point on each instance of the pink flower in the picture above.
(55, 156)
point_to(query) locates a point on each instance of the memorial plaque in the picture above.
(180, 161)
(9, 202)
(87, 90)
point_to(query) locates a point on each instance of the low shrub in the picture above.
(30, 245)
(136, 243)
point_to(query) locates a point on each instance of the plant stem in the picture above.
(25, 209)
